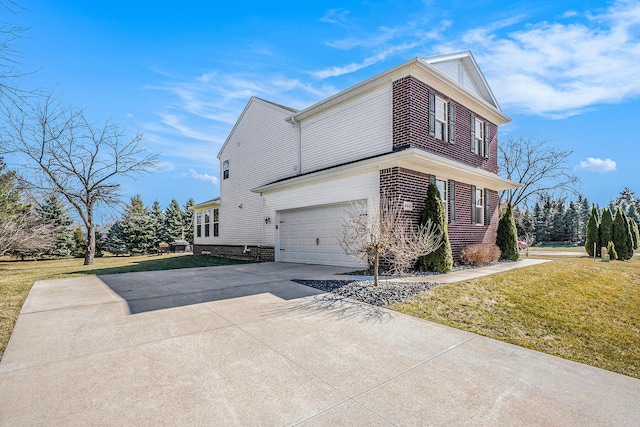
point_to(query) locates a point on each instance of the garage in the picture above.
(308, 235)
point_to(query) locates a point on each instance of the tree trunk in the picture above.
(90, 252)
(376, 263)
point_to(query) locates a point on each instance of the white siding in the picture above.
(356, 129)
(365, 186)
(262, 148)
(451, 69)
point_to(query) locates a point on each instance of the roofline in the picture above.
(410, 158)
(246, 107)
(466, 54)
(418, 68)
(207, 204)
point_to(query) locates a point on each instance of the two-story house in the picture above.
(289, 176)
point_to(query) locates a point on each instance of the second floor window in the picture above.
(225, 169)
(478, 138)
(441, 119)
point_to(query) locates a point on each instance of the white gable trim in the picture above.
(427, 73)
(471, 66)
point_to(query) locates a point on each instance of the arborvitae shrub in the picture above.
(635, 234)
(606, 227)
(592, 233)
(611, 250)
(480, 253)
(507, 236)
(622, 236)
(440, 260)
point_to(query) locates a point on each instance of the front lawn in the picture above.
(17, 277)
(573, 307)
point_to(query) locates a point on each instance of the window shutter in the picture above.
(487, 207)
(487, 139)
(473, 134)
(452, 201)
(432, 114)
(452, 122)
(473, 205)
(432, 179)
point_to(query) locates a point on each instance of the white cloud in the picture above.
(204, 177)
(592, 164)
(561, 69)
(336, 16)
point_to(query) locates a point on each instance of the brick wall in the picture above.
(411, 125)
(412, 186)
(260, 253)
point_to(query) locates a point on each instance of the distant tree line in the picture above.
(43, 229)
(141, 229)
(553, 219)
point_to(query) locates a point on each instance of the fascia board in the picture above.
(413, 158)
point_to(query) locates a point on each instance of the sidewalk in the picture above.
(456, 276)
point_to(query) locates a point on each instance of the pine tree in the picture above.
(53, 212)
(137, 228)
(606, 227)
(622, 236)
(114, 242)
(156, 215)
(79, 244)
(506, 236)
(187, 220)
(174, 222)
(584, 213)
(441, 260)
(593, 233)
(539, 222)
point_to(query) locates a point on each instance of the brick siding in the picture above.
(412, 186)
(411, 126)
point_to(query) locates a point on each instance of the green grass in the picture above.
(573, 307)
(17, 277)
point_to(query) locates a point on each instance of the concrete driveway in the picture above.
(243, 345)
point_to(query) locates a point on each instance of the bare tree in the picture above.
(537, 166)
(26, 233)
(386, 232)
(81, 161)
(12, 96)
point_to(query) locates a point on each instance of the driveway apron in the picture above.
(244, 345)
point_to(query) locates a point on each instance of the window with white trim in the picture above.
(225, 169)
(479, 207)
(198, 224)
(442, 188)
(216, 227)
(207, 224)
(478, 141)
(441, 119)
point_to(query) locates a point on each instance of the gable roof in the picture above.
(431, 71)
(252, 100)
(456, 66)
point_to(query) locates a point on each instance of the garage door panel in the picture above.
(309, 236)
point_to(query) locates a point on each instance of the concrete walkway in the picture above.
(243, 345)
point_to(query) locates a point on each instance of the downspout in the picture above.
(293, 120)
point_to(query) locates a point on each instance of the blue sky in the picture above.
(181, 72)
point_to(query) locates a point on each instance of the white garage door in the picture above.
(309, 236)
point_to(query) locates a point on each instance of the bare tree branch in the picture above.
(537, 166)
(81, 161)
(385, 231)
